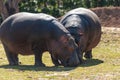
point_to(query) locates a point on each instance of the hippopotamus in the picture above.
(34, 33)
(84, 25)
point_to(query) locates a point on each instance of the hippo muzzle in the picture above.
(72, 61)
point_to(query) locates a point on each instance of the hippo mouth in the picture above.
(73, 61)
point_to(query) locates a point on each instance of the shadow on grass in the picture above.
(87, 63)
(91, 62)
(34, 68)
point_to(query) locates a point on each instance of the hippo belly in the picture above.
(21, 48)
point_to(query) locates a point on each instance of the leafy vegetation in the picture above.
(57, 8)
(105, 64)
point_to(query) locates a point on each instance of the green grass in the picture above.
(105, 64)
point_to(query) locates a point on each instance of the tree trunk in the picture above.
(8, 7)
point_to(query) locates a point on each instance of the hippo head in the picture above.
(77, 34)
(64, 50)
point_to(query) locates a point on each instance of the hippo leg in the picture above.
(80, 56)
(88, 54)
(12, 57)
(38, 57)
(55, 61)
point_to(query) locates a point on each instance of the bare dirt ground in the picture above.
(110, 19)
(109, 16)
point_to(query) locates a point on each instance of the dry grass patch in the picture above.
(105, 64)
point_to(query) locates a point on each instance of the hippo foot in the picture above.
(40, 64)
(88, 56)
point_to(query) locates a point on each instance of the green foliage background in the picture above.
(57, 8)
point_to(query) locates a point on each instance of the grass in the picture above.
(105, 64)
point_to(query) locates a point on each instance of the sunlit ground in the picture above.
(105, 64)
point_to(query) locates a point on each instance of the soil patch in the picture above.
(109, 16)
